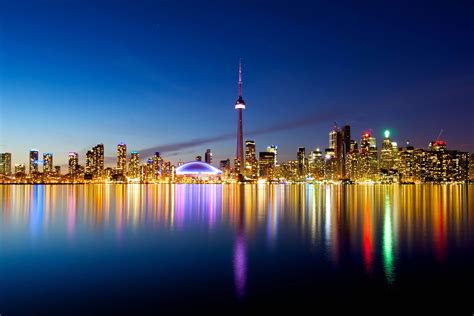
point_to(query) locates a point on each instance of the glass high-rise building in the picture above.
(134, 165)
(48, 163)
(5, 163)
(122, 158)
(33, 161)
(73, 163)
(208, 156)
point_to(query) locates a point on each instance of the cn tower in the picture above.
(239, 106)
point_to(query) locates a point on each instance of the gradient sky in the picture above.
(151, 73)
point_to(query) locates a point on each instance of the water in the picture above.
(101, 249)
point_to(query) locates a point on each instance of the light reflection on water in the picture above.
(374, 225)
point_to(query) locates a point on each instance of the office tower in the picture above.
(33, 161)
(89, 163)
(445, 165)
(98, 160)
(166, 169)
(157, 165)
(73, 163)
(266, 164)
(251, 164)
(337, 145)
(316, 164)
(330, 165)
(346, 139)
(239, 106)
(5, 163)
(224, 165)
(369, 157)
(48, 162)
(134, 165)
(406, 166)
(143, 173)
(386, 153)
(353, 165)
(122, 158)
(198, 158)
(208, 156)
(274, 149)
(301, 157)
(20, 168)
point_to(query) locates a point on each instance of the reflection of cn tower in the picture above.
(239, 106)
(240, 255)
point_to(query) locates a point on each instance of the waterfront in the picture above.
(125, 248)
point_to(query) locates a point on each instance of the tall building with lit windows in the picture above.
(337, 145)
(251, 163)
(73, 163)
(301, 158)
(274, 149)
(48, 163)
(5, 163)
(33, 161)
(122, 158)
(208, 156)
(369, 157)
(134, 165)
(157, 165)
(266, 164)
(316, 164)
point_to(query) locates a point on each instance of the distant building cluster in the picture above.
(344, 160)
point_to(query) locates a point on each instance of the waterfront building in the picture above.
(20, 169)
(33, 161)
(208, 156)
(266, 164)
(73, 163)
(122, 158)
(48, 163)
(6, 163)
(134, 165)
(301, 157)
(251, 163)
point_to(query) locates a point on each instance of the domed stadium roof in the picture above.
(197, 168)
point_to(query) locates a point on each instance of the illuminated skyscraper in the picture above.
(48, 163)
(157, 165)
(98, 160)
(274, 149)
(337, 145)
(73, 163)
(239, 106)
(89, 163)
(369, 157)
(316, 164)
(5, 163)
(251, 164)
(122, 158)
(33, 163)
(266, 164)
(134, 165)
(386, 153)
(301, 157)
(208, 156)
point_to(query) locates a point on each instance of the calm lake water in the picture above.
(131, 249)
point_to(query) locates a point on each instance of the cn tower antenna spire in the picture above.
(240, 77)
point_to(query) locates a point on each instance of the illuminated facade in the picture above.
(266, 165)
(208, 156)
(122, 158)
(316, 164)
(33, 163)
(73, 163)
(48, 163)
(301, 157)
(197, 171)
(251, 163)
(5, 163)
(134, 165)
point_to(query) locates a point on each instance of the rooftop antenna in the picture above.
(240, 77)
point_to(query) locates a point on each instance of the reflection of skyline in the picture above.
(373, 222)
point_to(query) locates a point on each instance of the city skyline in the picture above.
(411, 79)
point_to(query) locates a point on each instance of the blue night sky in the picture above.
(162, 74)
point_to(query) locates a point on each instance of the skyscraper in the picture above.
(48, 162)
(33, 161)
(208, 156)
(5, 163)
(73, 163)
(337, 145)
(239, 106)
(122, 158)
(301, 161)
(251, 165)
(134, 165)
(274, 149)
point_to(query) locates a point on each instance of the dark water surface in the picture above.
(132, 249)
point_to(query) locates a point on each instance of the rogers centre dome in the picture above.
(197, 168)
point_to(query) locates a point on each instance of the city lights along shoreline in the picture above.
(343, 161)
